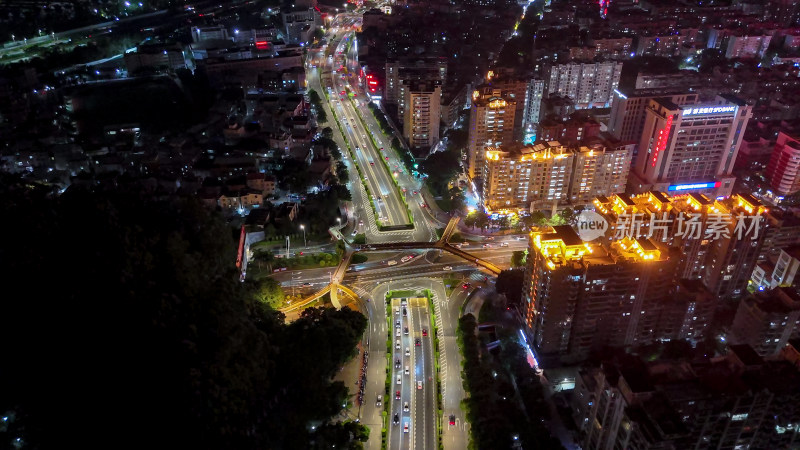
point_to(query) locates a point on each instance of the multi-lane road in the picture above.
(387, 270)
(388, 198)
(383, 192)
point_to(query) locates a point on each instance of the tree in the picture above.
(152, 321)
(314, 97)
(341, 172)
(322, 116)
(293, 175)
(441, 168)
(481, 219)
(268, 292)
(471, 218)
(266, 257)
(509, 283)
(518, 258)
(327, 133)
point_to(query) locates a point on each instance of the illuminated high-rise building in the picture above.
(588, 84)
(534, 177)
(421, 116)
(582, 296)
(491, 124)
(722, 258)
(690, 147)
(783, 171)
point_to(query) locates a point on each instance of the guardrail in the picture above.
(385, 163)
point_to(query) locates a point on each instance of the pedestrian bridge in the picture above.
(336, 279)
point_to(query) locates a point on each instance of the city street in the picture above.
(387, 200)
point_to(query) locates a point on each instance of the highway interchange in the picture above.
(409, 270)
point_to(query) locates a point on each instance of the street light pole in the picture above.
(303, 227)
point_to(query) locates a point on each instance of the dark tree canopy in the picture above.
(129, 328)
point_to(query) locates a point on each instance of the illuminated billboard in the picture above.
(686, 187)
(708, 110)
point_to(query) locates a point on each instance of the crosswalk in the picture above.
(437, 310)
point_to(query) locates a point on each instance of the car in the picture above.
(486, 245)
(396, 308)
(399, 379)
(419, 384)
(424, 205)
(424, 332)
(415, 192)
(405, 312)
(392, 263)
(417, 342)
(408, 351)
(465, 285)
(372, 163)
(490, 238)
(397, 344)
(386, 158)
(403, 301)
(397, 363)
(405, 330)
(397, 395)
(465, 243)
(396, 418)
(504, 244)
(448, 267)
(306, 284)
(405, 407)
(397, 333)
(405, 428)
(379, 402)
(355, 232)
(397, 323)
(452, 419)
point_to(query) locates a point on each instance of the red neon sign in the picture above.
(663, 136)
(261, 45)
(240, 252)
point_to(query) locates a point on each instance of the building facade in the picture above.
(581, 296)
(589, 84)
(421, 116)
(491, 124)
(690, 147)
(783, 170)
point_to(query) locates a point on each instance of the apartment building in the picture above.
(589, 84)
(491, 124)
(582, 296)
(421, 115)
(536, 177)
(783, 170)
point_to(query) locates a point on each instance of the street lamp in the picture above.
(303, 227)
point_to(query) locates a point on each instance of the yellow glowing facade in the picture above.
(534, 177)
(556, 251)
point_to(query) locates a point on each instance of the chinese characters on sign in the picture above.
(714, 227)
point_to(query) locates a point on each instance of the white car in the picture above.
(399, 379)
(448, 268)
(408, 351)
(419, 384)
(405, 407)
(408, 371)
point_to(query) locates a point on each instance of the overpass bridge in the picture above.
(336, 279)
